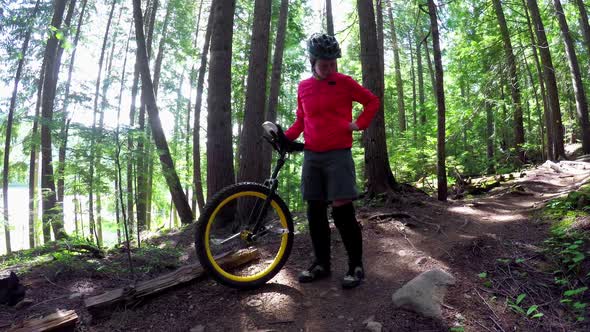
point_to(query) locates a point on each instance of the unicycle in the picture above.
(248, 219)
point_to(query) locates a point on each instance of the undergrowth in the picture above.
(568, 247)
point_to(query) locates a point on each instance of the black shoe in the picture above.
(315, 272)
(354, 277)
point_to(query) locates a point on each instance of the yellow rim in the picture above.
(277, 258)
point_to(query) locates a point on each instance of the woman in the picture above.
(324, 115)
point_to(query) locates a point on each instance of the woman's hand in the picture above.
(353, 126)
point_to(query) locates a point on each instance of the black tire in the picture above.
(221, 222)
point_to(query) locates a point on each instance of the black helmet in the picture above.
(323, 46)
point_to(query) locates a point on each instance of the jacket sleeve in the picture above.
(297, 127)
(367, 99)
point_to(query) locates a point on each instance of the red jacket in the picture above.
(324, 112)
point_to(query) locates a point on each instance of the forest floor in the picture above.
(499, 234)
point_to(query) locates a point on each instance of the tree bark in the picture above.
(275, 78)
(421, 94)
(65, 121)
(250, 167)
(33, 161)
(95, 132)
(514, 84)
(180, 201)
(584, 25)
(491, 169)
(197, 176)
(572, 59)
(142, 141)
(50, 215)
(548, 146)
(220, 171)
(550, 82)
(440, 101)
(377, 170)
(398, 74)
(23, 54)
(329, 18)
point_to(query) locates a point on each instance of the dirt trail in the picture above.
(402, 240)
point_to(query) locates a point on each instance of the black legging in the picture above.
(345, 221)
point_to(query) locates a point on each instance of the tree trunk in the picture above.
(250, 167)
(514, 84)
(398, 74)
(550, 81)
(430, 69)
(120, 205)
(546, 110)
(377, 170)
(180, 201)
(421, 95)
(275, 78)
(6, 164)
(380, 43)
(197, 176)
(414, 115)
(220, 171)
(491, 169)
(65, 117)
(51, 217)
(160, 56)
(142, 141)
(329, 18)
(33, 161)
(537, 103)
(94, 141)
(440, 101)
(572, 59)
(187, 137)
(584, 25)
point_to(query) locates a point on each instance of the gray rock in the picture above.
(374, 326)
(425, 293)
(75, 295)
(198, 328)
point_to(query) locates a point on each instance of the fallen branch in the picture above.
(389, 215)
(61, 320)
(132, 294)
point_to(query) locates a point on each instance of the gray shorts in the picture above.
(328, 176)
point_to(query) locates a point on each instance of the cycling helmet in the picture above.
(323, 46)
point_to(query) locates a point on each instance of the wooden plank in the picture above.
(61, 320)
(130, 294)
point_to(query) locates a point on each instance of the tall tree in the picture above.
(9, 121)
(546, 110)
(249, 158)
(329, 18)
(275, 78)
(220, 170)
(420, 73)
(514, 84)
(398, 74)
(440, 101)
(572, 59)
(197, 176)
(172, 179)
(51, 219)
(585, 26)
(550, 82)
(377, 170)
(65, 118)
(95, 131)
(143, 141)
(33, 160)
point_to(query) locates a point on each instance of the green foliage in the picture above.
(517, 306)
(568, 248)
